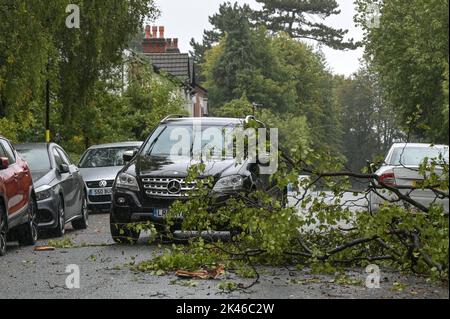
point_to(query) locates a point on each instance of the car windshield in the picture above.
(37, 158)
(414, 156)
(179, 141)
(105, 157)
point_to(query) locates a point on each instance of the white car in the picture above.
(401, 169)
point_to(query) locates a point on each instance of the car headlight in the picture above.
(128, 181)
(43, 192)
(233, 182)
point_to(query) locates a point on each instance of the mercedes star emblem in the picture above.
(102, 183)
(174, 187)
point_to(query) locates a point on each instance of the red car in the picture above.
(18, 206)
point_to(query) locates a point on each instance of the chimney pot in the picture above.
(161, 32)
(175, 43)
(155, 31)
(147, 32)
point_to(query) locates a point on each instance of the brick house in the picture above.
(165, 55)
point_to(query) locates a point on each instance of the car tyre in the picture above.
(60, 230)
(121, 232)
(3, 231)
(83, 221)
(28, 233)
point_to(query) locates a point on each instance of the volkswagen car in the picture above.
(59, 187)
(99, 166)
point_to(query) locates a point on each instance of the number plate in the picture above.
(100, 191)
(160, 212)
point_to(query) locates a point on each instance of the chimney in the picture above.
(153, 44)
(172, 46)
(147, 32)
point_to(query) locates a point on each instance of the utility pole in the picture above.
(47, 109)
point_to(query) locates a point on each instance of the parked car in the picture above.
(401, 168)
(99, 166)
(59, 187)
(153, 179)
(18, 208)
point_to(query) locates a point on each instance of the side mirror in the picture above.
(4, 163)
(128, 155)
(263, 160)
(64, 168)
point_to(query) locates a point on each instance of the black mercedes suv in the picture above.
(154, 176)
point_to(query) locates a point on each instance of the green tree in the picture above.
(238, 108)
(369, 123)
(149, 98)
(410, 51)
(313, 88)
(222, 22)
(25, 45)
(244, 63)
(94, 50)
(299, 19)
(36, 46)
(275, 73)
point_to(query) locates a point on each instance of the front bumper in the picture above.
(48, 212)
(128, 206)
(98, 202)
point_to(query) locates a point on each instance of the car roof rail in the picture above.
(249, 118)
(172, 116)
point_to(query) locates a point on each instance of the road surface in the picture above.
(25, 273)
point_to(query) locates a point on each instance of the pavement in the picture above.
(25, 273)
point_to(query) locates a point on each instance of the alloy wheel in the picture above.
(85, 210)
(2, 235)
(33, 220)
(62, 219)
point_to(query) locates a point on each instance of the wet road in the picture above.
(25, 273)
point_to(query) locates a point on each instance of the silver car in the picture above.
(99, 166)
(401, 168)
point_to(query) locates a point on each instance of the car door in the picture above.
(65, 180)
(77, 181)
(15, 196)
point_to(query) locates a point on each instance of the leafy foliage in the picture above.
(265, 232)
(82, 66)
(369, 122)
(278, 76)
(299, 19)
(410, 52)
(296, 18)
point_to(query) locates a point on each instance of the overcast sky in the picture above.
(186, 19)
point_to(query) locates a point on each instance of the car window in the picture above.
(64, 156)
(9, 151)
(184, 140)
(37, 158)
(416, 155)
(105, 157)
(58, 158)
(2, 151)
